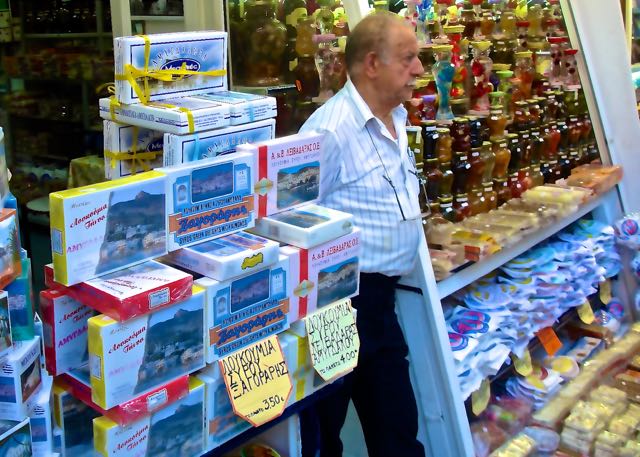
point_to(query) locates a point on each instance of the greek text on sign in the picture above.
(333, 339)
(257, 381)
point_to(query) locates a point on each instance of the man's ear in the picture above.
(371, 64)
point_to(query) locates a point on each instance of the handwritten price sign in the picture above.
(333, 339)
(257, 381)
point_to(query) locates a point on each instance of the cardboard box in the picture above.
(131, 358)
(10, 260)
(108, 226)
(130, 292)
(175, 115)
(209, 198)
(74, 419)
(244, 107)
(244, 310)
(296, 353)
(20, 380)
(15, 438)
(175, 430)
(323, 274)
(41, 419)
(179, 149)
(124, 139)
(288, 171)
(227, 257)
(204, 51)
(306, 226)
(20, 293)
(6, 340)
(38, 328)
(65, 323)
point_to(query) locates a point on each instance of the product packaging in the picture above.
(65, 331)
(323, 274)
(244, 107)
(74, 419)
(38, 328)
(130, 292)
(20, 293)
(209, 198)
(306, 226)
(148, 66)
(20, 380)
(227, 257)
(10, 260)
(288, 171)
(175, 430)
(129, 149)
(41, 420)
(179, 149)
(15, 438)
(296, 353)
(108, 226)
(6, 340)
(244, 310)
(131, 358)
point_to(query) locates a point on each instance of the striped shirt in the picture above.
(360, 157)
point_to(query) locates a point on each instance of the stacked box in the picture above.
(130, 292)
(131, 358)
(296, 353)
(194, 51)
(10, 259)
(20, 380)
(227, 257)
(6, 339)
(288, 171)
(179, 149)
(306, 226)
(108, 226)
(323, 274)
(124, 139)
(244, 310)
(20, 293)
(175, 430)
(41, 420)
(38, 328)
(74, 419)
(65, 323)
(15, 438)
(209, 198)
(245, 108)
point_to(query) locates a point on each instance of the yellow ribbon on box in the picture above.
(133, 74)
(138, 159)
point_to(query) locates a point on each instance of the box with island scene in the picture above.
(20, 380)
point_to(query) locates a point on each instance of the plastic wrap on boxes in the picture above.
(323, 274)
(179, 149)
(209, 198)
(130, 292)
(244, 107)
(10, 260)
(129, 149)
(74, 419)
(21, 304)
(288, 171)
(20, 380)
(227, 257)
(41, 420)
(15, 438)
(107, 226)
(65, 331)
(131, 358)
(243, 310)
(305, 226)
(203, 52)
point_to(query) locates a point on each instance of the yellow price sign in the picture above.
(258, 381)
(585, 312)
(605, 291)
(523, 364)
(333, 339)
(480, 398)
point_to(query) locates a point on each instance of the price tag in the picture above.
(522, 364)
(586, 313)
(333, 339)
(605, 291)
(549, 340)
(257, 380)
(480, 398)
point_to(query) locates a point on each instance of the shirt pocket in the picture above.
(357, 169)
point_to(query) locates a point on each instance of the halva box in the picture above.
(6, 339)
(227, 257)
(130, 358)
(15, 438)
(10, 259)
(244, 107)
(243, 310)
(180, 149)
(65, 331)
(288, 171)
(20, 294)
(175, 430)
(209, 198)
(41, 417)
(323, 274)
(74, 418)
(175, 115)
(306, 226)
(121, 141)
(295, 349)
(203, 52)
(20, 380)
(130, 292)
(108, 226)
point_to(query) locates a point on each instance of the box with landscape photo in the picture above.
(74, 419)
(20, 380)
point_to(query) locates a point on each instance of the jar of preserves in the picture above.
(489, 159)
(563, 130)
(516, 153)
(524, 137)
(537, 179)
(446, 182)
(476, 172)
(477, 202)
(461, 170)
(461, 209)
(502, 157)
(502, 52)
(520, 116)
(565, 165)
(446, 208)
(502, 189)
(537, 146)
(490, 196)
(461, 134)
(443, 145)
(434, 178)
(515, 185)
(497, 122)
(524, 71)
(524, 177)
(476, 131)
(459, 106)
(307, 79)
(429, 139)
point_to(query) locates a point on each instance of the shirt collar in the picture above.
(362, 111)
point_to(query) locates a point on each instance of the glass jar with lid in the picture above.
(503, 191)
(476, 172)
(502, 157)
(443, 145)
(429, 139)
(490, 196)
(489, 159)
(497, 121)
(434, 175)
(461, 169)
(477, 203)
(461, 134)
(461, 209)
(516, 153)
(446, 182)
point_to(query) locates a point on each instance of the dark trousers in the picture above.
(379, 386)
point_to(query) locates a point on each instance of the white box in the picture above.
(195, 51)
(180, 149)
(244, 107)
(15, 439)
(306, 226)
(121, 139)
(296, 353)
(74, 419)
(41, 418)
(227, 257)
(20, 380)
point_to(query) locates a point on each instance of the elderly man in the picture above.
(369, 171)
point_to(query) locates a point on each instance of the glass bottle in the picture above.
(546, 171)
(572, 78)
(237, 36)
(537, 145)
(537, 179)
(458, 83)
(497, 122)
(461, 170)
(294, 10)
(461, 207)
(324, 17)
(534, 16)
(481, 68)
(325, 59)
(446, 208)
(502, 190)
(524, 72)
(429, 139)
(476, 172)
(574, 132)
(565, 165)
(556, 170)
(502, 52)
(446, 182)
(524, 138)
(429, 107)
(516, 153)
(507, 26)
(496, 98)
(520, 117)
(557, 71)
(443, 72)
(461, 135)
(489, 159)
(442, 18)
(522, 30)
(490, 196)
(307, 79)
(434, 178)
(443, 145)
(487, 25)
(476, 132)
(305, 31)
(534, 113)
(469, 21)
(563, 130)
(515, 184)
(504, 76)
(414, 111)
(502, 157)
(477, 203)
(551, 141)
(459, 106)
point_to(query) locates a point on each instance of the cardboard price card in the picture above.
(333, 339)
(257, 381)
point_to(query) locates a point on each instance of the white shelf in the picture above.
(477, 270)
